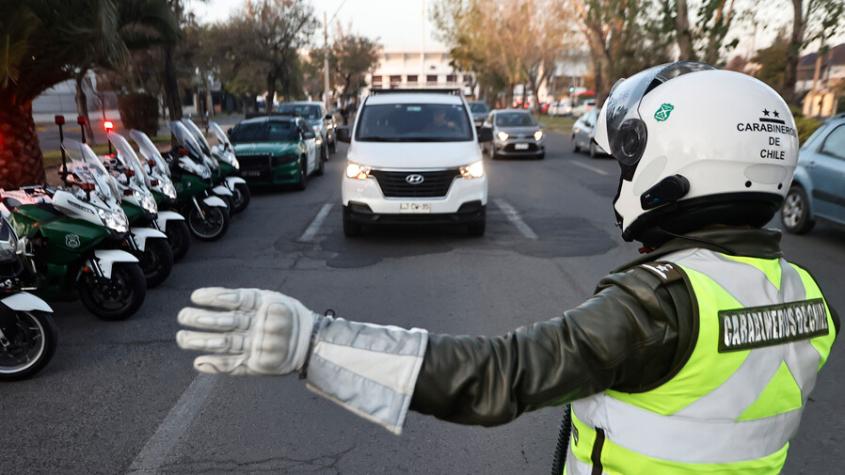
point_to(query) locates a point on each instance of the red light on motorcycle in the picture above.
(182, 151)
(81, 120)
(151, 162)
(86, 270)
(108, 125)
(59, 120)
(153, 182)
(86, 186)
(130, 173)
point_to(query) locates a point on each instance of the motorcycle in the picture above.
(75, 233)
(28, 335)
(207, 215)
(223, 166)
(151, 246)
(159, 183)
(229, 166)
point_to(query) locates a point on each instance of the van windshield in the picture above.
(414, 123)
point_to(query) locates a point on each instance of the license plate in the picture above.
(521, 146)
(417, 208)
(251, 172)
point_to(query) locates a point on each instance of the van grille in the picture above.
(435, 183)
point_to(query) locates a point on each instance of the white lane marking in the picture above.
(314, 227)
(513, 216)
(589, 167)
(173, 427)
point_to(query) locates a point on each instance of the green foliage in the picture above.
(773, 62)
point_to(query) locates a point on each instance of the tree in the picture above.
(704, 40)
(773, 63)
(353, 57)
(267, 35)
(624, 37)
(813, 20)
(42, 42)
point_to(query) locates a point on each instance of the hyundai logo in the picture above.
(414, 179)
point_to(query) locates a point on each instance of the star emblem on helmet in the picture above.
(662, 113)
(766, 112)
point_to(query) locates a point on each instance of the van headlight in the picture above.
(473, 170)
(538, 135)
(502, 136)
(356, 171)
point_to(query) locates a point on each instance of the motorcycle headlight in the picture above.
(114, 220)
(236, 163)
(169, 190)
(473, 170)
(502, 136)
(149, 204)
(359, 172)
(205, 173)
(538, 135)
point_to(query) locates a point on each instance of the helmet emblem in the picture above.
(72, 241)
(414, 179)
(663, 112)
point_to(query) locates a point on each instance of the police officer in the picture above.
(697, 358)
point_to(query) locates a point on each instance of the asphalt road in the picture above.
(121, 397)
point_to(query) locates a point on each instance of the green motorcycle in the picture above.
(151, 245)
(74, 234)
(159, 183)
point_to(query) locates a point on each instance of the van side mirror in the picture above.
(342, 134)
(485, 134)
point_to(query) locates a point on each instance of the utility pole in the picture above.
(326, 85)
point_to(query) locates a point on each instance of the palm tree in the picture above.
(45, 42)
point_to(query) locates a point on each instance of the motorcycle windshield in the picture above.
(198, 135)
(8, 242)
(186, 139)
(220, 135)
(87, 167)
(149, 152)
(129, 159)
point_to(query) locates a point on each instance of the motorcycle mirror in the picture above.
(153, 182)
(127, 192)
(129, 173)
(151, 162)
(86, 187)
(80, 119)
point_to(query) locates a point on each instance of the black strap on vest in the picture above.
(562, 441)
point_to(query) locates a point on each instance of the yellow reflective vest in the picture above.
(763, 330)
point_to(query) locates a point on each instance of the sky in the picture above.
(398, 24)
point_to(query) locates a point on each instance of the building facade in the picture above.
(416, 69)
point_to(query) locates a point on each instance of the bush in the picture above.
(805, 125)
(139, 111)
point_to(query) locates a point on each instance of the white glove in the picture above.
(258, 331)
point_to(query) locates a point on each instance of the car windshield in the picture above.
(514, 119)
(306, 111)
(414, 123)
(266, 131)
(478, 107)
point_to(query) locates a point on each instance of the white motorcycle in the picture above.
(223, 168)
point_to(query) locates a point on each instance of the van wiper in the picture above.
(376, 138)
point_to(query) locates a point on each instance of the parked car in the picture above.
(317, 117)
(584, 134)
(276, 150)
(818, 189)
(515, 134)
(584, 107)
(414, 157)
(560, 108)
(480, 111)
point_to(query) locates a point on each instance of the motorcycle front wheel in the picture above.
(179, 237)
(156, 261)
(212, 227)
(116, 298)
(28, 343)
(241, 197)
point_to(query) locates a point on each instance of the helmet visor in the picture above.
(626, 131)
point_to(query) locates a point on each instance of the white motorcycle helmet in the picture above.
(697, 146)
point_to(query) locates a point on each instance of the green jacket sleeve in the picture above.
(629, 336)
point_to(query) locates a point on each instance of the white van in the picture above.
(414, 157)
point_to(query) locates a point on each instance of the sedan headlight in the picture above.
(538, 135)
(358, 172)
(502, 136)
(114, 220)
(473, 170)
